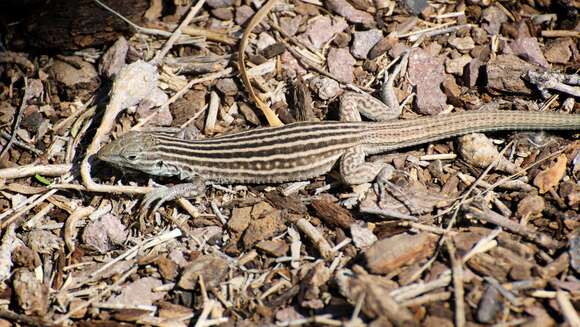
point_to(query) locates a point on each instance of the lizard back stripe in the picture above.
(292, 146)
(266, 136)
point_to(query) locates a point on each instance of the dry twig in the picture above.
(272, 118)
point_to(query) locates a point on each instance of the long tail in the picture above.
(403, 133)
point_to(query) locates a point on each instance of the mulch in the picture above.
(480, 230)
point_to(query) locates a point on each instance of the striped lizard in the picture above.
(304, 150)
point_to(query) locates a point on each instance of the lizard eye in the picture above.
(131, 157)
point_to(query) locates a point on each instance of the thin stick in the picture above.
(23, 145)
(17, 118)
(568, 310)
(458, 289)
(272, 118)
(144, 30)
(177, 33)
(31, 170)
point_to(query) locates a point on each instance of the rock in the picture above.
(31, 294)
(212, 269)
(382, 46)
(243, 14)
(23, 256)
(570, 191)
(240, 219)
(540, 316)
(341, 64)
(479, 35)
(326, 88)
(559, 51)
(471, 72)
(364, 41)
(322, 29)
(362, 236)
(227, 86)
(288, 314)
(104, 233)
(434, 321)
(276, 248)
(149, 105)
(427, 73)
(139, 292)
(433, 49)
(492, 18)
(226, 13)
(489, 305)
(290, 66)
(266, 222)
(414, 7)
(220, 3)
(452, 90)
(114, 58)
(311, 286)
(32, 119)
(75, 77)
(478, 150)
(398, 49)
(264, 40)
(481, 52)
(463, 44)
(274, 50)
(400, 250)
(574, 251)
(342, 40)
(504, 74)
(187, 106)
(212, 234)
(134, 83)
(306, 9)
(346, 10)
(167, 268)
(531, 205)
(528, 49)
(43, 241)
(549, 178)
(290, 25)
(154, 11)
(456, 66)
(357, 284)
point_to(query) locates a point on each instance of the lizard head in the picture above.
(136, 150)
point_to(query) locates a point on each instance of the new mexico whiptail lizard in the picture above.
(304, 150)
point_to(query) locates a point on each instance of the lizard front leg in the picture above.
(163, 194)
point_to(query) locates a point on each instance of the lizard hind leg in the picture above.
(354, 170)
(353, 105)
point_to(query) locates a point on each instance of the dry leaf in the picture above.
(550, 177)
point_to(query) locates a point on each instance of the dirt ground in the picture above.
(472, 231)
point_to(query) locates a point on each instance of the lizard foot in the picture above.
(164, 194)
